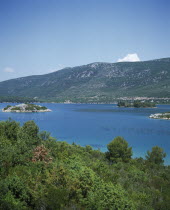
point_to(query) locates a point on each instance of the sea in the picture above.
(98, 124)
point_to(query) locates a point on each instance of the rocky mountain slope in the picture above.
(95, 82)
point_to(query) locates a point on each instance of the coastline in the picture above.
(160, 116)
(27, 111)
(23, 108)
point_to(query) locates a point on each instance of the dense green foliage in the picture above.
(124, 104)
(136, 104)
(8, 106)
(156, 156)
(118, 150)
(146, 104)
(96, 82)
(31, 107)
(14, 108)
(38, 172)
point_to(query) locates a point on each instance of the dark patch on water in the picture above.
(119, 110)
(106, 128)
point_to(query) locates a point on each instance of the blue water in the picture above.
(97, 125)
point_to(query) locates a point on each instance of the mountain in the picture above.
(95, 82)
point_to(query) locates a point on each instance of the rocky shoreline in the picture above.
(48, 110)
(164, 116)
(26, 108)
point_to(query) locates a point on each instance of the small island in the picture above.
(136, 104)
(26, 108)
(164, 116)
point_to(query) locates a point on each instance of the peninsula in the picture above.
(136, 104)
(26, 108)
(165, 116)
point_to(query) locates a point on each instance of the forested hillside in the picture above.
(16, 99)
(38, 172)
(96, 82)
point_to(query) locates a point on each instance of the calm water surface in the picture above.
(97, 125)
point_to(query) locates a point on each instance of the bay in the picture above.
(98, 124)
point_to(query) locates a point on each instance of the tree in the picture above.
(156, 156)
(9, 129)
(31, 128)
(118, 150)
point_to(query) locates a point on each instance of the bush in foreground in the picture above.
(38, 172)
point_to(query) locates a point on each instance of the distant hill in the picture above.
(95, 82)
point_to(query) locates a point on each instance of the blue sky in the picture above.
(40, 36)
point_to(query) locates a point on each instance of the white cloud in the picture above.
(129, 58)
(8, 69)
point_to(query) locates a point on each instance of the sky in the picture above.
(42, 36)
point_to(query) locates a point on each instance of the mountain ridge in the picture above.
(98, 81)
